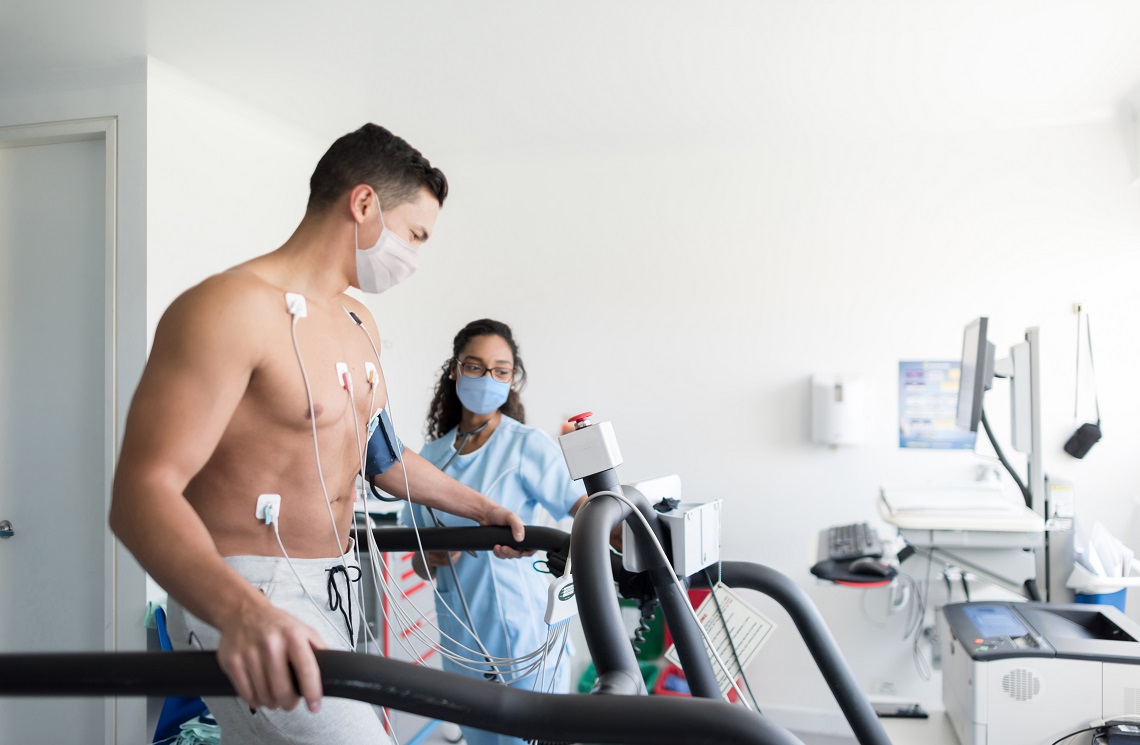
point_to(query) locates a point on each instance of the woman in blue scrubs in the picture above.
(478, 436)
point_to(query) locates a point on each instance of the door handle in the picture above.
(6, 529)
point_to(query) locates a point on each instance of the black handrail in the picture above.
(457, 698)
(463, 539)
(862, 718)
(613, 657)
(609, 649)
(411, 688)
(598, 610)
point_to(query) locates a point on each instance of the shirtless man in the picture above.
(221, 416)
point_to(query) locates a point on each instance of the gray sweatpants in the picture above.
(340, 721)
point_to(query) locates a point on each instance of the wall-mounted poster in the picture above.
(928, 406)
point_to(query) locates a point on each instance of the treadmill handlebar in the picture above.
(482, 704)
(464, 539)
(820, 643)
(411, 688)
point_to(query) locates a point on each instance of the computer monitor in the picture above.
(1022, 368)
(977, 373)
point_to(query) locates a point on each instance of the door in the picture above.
(53, 287)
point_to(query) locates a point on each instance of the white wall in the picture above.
(225, 183)
(687, 295)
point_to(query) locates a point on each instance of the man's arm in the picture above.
(433, 488)
(195, 378)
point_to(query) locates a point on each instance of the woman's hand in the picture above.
(435, 560)
(439, 559)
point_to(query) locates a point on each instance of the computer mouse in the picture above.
(870, 566)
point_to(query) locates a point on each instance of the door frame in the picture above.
(103, 129)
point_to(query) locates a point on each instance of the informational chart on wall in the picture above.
(928, 406)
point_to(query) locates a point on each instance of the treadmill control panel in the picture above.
(993, 631)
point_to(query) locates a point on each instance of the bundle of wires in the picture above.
(418, 639)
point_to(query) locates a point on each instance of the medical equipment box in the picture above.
(693, 527)
(694, 532)
(590, 449)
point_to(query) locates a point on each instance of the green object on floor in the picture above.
(649, 674)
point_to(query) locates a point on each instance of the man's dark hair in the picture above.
(445, 409)
(372, 155)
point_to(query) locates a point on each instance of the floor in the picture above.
(933, 731)
(437, 739)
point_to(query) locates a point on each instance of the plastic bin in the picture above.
(1115, 599)
(1088, 588)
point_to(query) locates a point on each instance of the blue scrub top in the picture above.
(521, 468)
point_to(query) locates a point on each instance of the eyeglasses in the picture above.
(475, 370)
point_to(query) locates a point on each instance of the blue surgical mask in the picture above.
(481, 395)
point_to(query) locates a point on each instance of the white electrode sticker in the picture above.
(748, 628)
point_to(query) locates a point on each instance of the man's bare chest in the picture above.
(323, 369)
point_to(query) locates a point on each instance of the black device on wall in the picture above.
(1088, 434)
(1083, 439)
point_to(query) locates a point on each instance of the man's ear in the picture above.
(361, 201)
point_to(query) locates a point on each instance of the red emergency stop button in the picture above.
(580, 417)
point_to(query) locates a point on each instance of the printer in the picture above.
(1028, 673)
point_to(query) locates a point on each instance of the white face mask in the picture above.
(388, 263)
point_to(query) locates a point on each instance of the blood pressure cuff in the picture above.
(384, 448)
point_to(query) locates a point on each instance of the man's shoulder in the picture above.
(232, 295)
(227, 313)
(230, 288)
(237, 287)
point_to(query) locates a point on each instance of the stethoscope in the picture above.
(494, 672)
(458, 449)
(451, 564)
(463, 443)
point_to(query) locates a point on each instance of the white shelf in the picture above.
(1090, 584)
(1019, 520)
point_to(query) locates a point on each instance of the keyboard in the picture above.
(848, 542)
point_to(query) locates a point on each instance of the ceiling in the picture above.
(515, 74)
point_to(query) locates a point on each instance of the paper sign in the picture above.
(749, 629)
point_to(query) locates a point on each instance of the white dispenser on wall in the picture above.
(838, 409)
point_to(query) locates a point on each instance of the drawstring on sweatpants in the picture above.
(337, 601)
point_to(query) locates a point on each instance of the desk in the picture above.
(999, 546)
